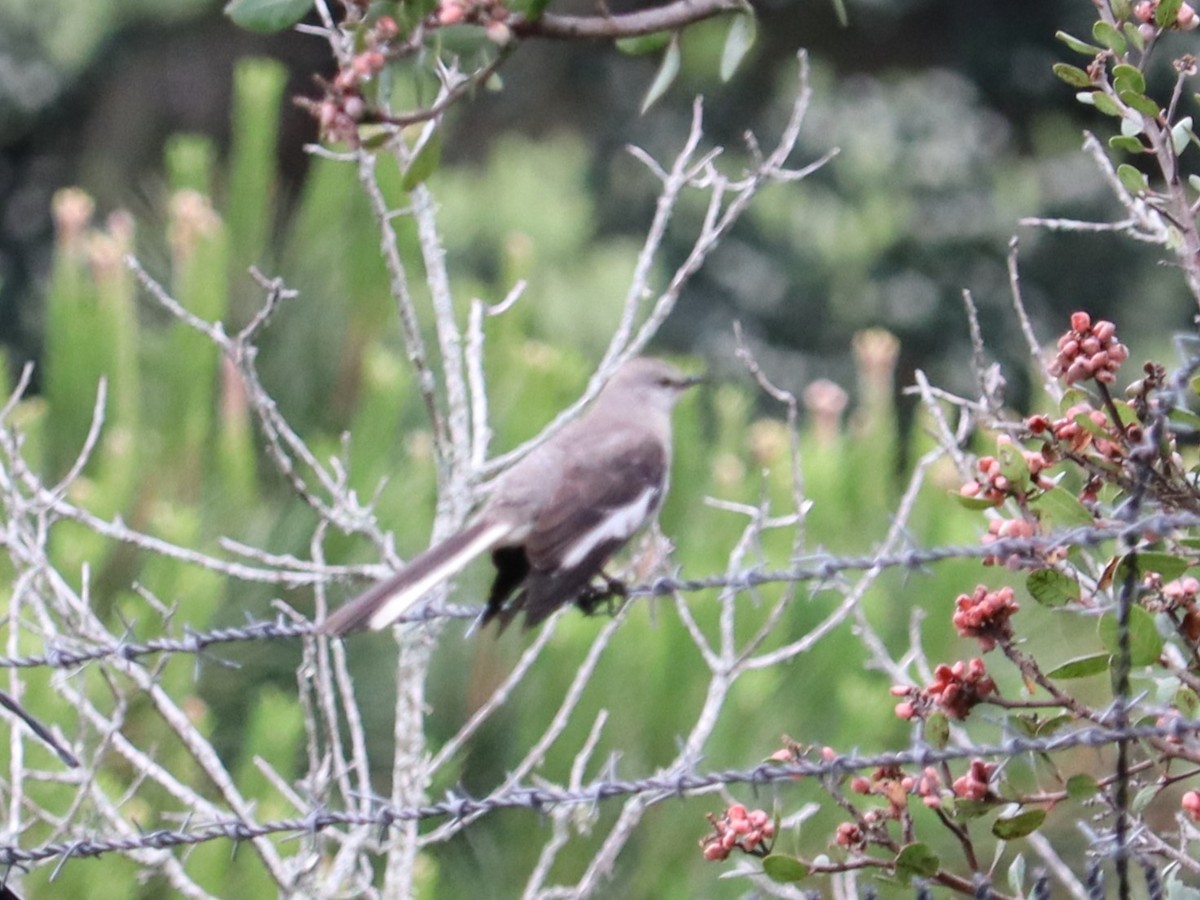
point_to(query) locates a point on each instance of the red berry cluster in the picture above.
(975, 784)
(1089, 351)
(956, 690)
(986, 615)
(738, 829)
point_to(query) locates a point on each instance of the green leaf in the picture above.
(1054, 724)
(1145, 643)
(1076, 44)
(1126, 142)
(1168, 565)
(784, 869)
(1082, 786)
(1186, 701)
(972, 809)
(1105, 104)
(937, 731)
(1179, 415)
(1177, 890)
(977, 502)
(1013, 465)
(839, 9)
(1135, 182)
(424, 163)
(918, 860)
(1142, 798)
(644, 43)
(1181, 133)
(1024, 823)
(742, 32)
(530, 9)
(1128, 78)
(1051, 587)
(1016, 876)
(1072, 75)
(1166, 13)
(267, 15)
(1109, 36)
(1081, 667)
(1059, 508)
(1140, 102)
(1134, 36)
(667, 70)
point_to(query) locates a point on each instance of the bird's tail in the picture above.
(383, 604)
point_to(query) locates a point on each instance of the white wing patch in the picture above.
(619, 524)
(408, 594)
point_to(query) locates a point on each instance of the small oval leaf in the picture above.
(1133, 180)
(1082, 786)
(1145, 643)
(1130, 78)
(1126, 142)
(918, 860)
(1168, 565)
(424, 163)
(1072, 75)
(1108, 35)
(667, 71)
(1081, 667)
(1051, 587)
(1076, 44)
(267, 15)
(1167, 12)
(937, 731)
(1059, 508)
(784, 869)
(1024, 823)
(742, 32)
(644, 43)
(1140, 102)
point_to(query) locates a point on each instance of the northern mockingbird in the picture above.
(553, 519)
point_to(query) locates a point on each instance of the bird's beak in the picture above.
(692, 381)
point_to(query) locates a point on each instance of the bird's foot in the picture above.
(612, 593)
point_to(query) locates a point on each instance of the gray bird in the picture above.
(555, 518)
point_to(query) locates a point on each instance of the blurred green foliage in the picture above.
(177, 458)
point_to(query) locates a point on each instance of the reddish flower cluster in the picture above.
(956, 690)
(738, 829)
(1179, 596)
(993, 485)
(1001, 529)
(491, 14)
(985, 615)
(849, 835)
(343, 107)
(1089, 351)
(890, 783)
(1185, 20)
(929, 787)
(1077, 437)
(974, 785)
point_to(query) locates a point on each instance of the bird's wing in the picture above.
(600, 501)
